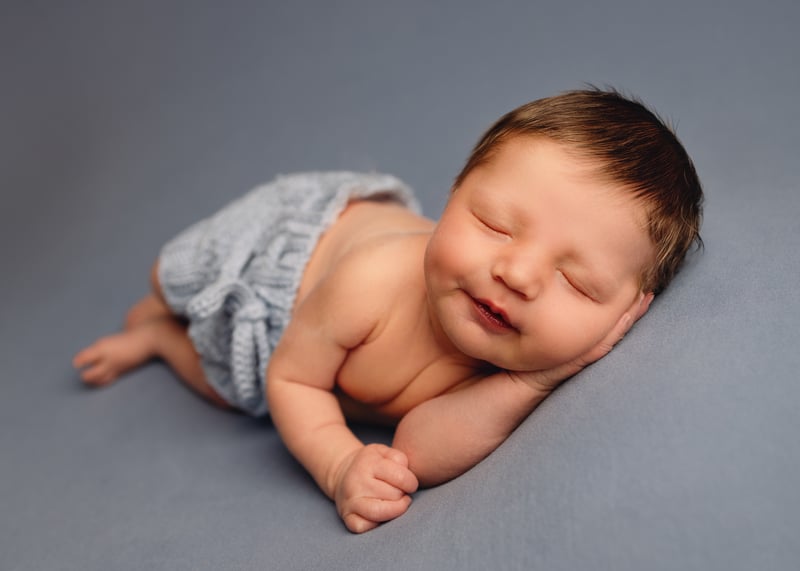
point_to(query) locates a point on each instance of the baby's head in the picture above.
(632, 148)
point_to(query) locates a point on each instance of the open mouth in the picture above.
(495, 318)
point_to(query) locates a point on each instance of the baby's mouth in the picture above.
(493, 316)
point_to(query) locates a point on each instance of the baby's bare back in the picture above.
(402, 363)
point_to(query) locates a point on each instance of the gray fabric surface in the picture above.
(122, 122)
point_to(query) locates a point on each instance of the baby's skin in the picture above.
(452, 331)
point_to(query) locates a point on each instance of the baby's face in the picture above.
(535, 259)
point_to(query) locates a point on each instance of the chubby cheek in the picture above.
(447, 253)
(569, 337)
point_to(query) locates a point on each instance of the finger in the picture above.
(605, 346)
(397, 456)
(376, 484)
(376, 451)
(617, 332)
(397, 476)
(644, 305)
(358, 524)
(380, 490)
(620, 329)
(636, 310)
(376, 510)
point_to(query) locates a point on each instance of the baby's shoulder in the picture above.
(370, 227)
(374, 276)
(374, 241)
(390, 262)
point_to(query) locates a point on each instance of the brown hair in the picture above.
(633, 146)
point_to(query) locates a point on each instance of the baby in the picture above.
(325, 297)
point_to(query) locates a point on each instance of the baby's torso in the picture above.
(401, 365)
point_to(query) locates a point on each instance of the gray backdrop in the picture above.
(121, 122)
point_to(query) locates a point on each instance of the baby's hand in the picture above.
(373, 486)
(549, 379)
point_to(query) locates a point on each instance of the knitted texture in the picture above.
(234, 276)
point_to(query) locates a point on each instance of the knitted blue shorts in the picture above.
(234, 275)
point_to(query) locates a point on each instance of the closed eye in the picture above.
(491, 226)
(577, 287)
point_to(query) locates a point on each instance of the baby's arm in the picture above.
(444, 437)
(369, 484)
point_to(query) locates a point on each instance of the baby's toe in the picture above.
(85, 357)
(98, 376)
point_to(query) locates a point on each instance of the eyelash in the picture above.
(577, 288)
(490, 226)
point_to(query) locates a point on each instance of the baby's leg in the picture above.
(149, 307)
(151, 331)
(109, 357)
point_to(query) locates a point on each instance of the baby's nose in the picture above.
(523, 274)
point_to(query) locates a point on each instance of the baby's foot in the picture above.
(109, 357)
(146, 309)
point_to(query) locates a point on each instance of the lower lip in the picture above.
(489, 320)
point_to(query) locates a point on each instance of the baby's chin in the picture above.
(508, 356)
(530, 363)
(526, 364)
